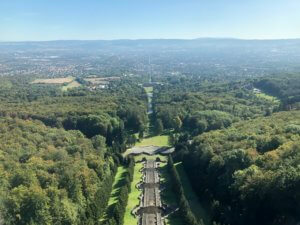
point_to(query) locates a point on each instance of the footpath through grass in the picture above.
(190, 195)
(133, 198)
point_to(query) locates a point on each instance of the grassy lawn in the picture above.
(133, 200)
(118, 181)
(117, 185)
(268, 97)
(190, 195)
(169, 197)
(161, 140)
(71, 85)
(148, 89)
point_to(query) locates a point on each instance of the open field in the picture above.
(101, 80)
(133, 198)
(54, 80)
(268, 97)
(73, 84)
(190, 195)
(161, 140)
(118, 181)
(67, 82)
(148, 89)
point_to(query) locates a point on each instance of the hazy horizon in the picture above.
(50, 20)
(141, 39)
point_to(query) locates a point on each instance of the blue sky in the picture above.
(23, 20)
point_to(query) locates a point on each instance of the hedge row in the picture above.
(184, 207)
(116, 212)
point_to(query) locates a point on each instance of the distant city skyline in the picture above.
(36, 20)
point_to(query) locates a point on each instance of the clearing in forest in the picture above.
(67, 82)
(161, 141)
(148, 89)
(101, 80)
(73, 84)
(267, 97)
(54, 80)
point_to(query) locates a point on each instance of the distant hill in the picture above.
(200, 43)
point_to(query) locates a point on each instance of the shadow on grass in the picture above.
(116, 193)
(198, 207)
(119, 184)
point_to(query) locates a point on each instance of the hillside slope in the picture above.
(51, 176)
(249, 172)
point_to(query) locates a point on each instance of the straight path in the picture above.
(151, 194)
(152, 219)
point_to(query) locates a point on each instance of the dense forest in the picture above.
(60, 149)
(114, 113)
(240, 151)
(149, 112)
(52, 176)
(249, 173)
(197, 105)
